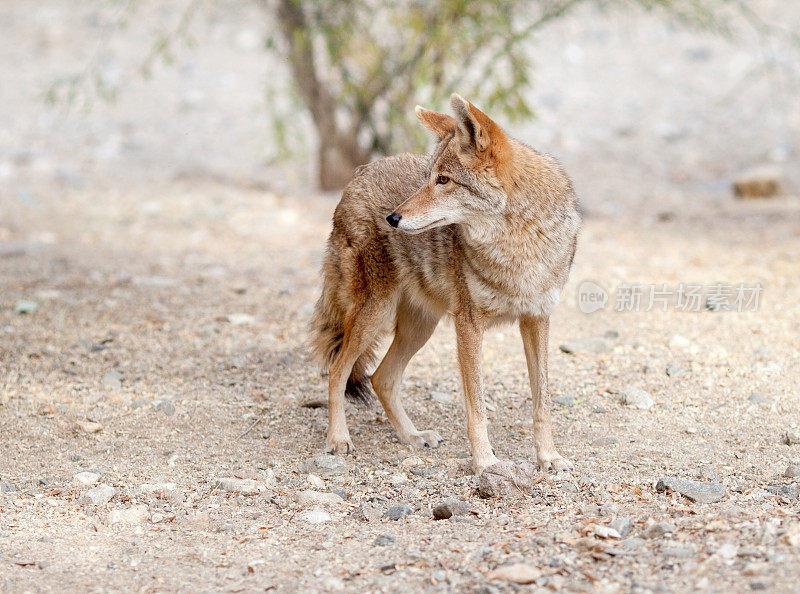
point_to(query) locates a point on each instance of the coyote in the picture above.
(483, 230)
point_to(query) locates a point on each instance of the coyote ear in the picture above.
(440, 124)
(475, 125)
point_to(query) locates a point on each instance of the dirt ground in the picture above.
(171, 276)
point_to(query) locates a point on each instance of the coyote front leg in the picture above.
(469, 338)
(535, 333)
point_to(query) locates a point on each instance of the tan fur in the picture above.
(492, 244)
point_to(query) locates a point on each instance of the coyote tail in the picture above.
(326, 337)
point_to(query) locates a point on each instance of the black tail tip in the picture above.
(359, 390)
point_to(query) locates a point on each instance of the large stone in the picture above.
(507, 478)
(697, 491)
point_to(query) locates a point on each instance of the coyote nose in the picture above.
(393, 219)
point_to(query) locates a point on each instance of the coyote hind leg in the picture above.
(362, 326)
(413, 328)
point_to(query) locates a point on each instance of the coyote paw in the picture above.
(424, 439)
(342, 445)
(553, 461)
(478, 466)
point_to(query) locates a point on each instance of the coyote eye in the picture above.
(442, 179)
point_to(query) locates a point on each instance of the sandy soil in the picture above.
(167, 343)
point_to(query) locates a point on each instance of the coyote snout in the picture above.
(501, 224)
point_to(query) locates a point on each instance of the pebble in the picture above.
(25, 307)
(658, 530)
(366, 512)
(785, 491)
(679, 342)
(165, 405)
(697, 491)
(673, 370)
(86, 478)
(100, 495)
(517, 573)
(89, 426)
(235, 485)
(727, 550)
(565, 400)
(383, 540)
(449, 508)
(397, 512)
(309, 498)
(157, 489)
(237, 319)
(757, 398)
(324, 465)
(792, 471)
(678, 552)
(315, 481)
(131, 515)
(622, 525)
(112, 378)
(637, 399)
(315, 516)
(762, 181)
(584, 345)
(604, 442)
(411, 462)
(791, 436)
(7, 487)
(505, 478)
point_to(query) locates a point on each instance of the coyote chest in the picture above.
(511, 279)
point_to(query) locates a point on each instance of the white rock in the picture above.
(235, 485)
(157, 488)
(315, 481)
(518, 573)
(131, 515)
(86, 478)
(100, 495)
(411, 462)
(679, 342)
(309, 498)
(316, 516)
(637, 399)
(237, 319)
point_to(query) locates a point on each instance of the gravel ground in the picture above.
(162, 423)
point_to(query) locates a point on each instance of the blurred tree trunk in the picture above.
(338, 151)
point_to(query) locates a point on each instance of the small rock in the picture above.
(622, 525)
(449, 508)
(675, 371)
(383, 540)
(679, 342)
(791, 436)
(86, 478)
(157, 489)
(785, 491)
(132, 515)
(697, 491)
(315, 516)
(7, 487)
(637, 399)
(315, 481)
(89, 426)
(324, 465)
(411, 462)
(366, 512)
(611, 334)
(100, 495)
(584, 345)
(792, 471)
(727, 550)
(235, 485)
(604, 442)
(397, 512)
(165, 405)
(763, 181)
(237, 319)
(112, 379)
(659, 529)
(565, 400)
(757, 398)
(603, 531)
(506, 478)
(309, 498)
(25, 307)
(517, 573)
(678, 552)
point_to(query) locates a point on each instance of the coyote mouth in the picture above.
(424, 228)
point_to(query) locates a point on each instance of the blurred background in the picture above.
(650, 104)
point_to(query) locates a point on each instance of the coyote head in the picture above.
(469, 173)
